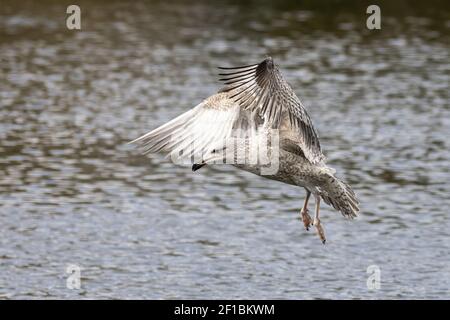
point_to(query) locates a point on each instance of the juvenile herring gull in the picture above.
(256, 110)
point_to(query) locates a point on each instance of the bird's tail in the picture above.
(340, 196)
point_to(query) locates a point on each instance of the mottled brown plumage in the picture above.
(256, 105)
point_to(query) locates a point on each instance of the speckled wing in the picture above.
(196, 133)
(261, 87)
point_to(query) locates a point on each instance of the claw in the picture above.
(320, 230)
(306, 218)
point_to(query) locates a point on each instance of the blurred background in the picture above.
(73, 192)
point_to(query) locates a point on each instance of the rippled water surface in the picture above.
(73, 192)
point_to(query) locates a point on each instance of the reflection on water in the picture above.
(72, 191)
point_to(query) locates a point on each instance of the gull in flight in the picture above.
(258, 124)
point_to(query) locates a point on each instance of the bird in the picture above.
(256, 123)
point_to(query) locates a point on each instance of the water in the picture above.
(73, 192)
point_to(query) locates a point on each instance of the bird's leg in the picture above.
(317, 224)
(306, 218)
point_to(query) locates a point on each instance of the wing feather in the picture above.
(196, 132)
(261, 87)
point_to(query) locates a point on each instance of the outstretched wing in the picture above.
(195, 134)
(261, 87)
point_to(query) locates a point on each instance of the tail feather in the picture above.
(340, 196)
